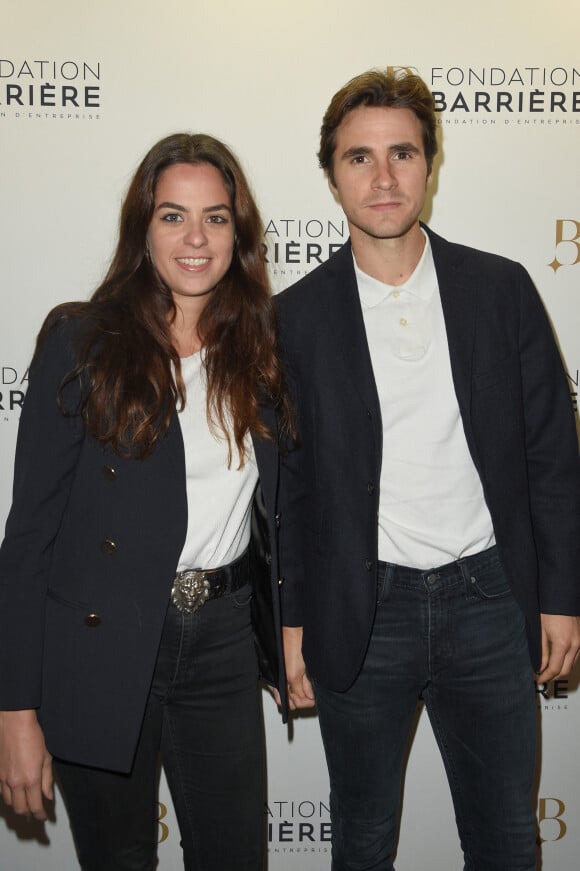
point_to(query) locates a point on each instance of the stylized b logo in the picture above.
(552, 809)
(567, 233)
(163, 828)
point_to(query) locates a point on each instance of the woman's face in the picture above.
(191, 234)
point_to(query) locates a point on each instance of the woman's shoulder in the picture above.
(66, 330)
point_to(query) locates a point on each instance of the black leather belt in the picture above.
(192, 588)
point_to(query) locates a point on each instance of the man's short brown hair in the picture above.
(397, 89)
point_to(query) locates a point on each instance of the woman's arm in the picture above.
(25, 763)
(47, 452)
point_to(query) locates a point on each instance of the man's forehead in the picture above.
(369, 118)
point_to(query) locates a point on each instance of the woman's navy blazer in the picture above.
(86, 568)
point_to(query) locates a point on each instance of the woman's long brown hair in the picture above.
(125, 359)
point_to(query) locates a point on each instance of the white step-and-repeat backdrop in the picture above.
(86, 89)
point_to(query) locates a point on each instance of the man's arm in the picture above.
(560, 646)
(554, 480)
(552, 458)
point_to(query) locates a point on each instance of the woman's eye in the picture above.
(171, 218)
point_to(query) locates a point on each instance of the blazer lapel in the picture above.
(173, 448)
(458, 289)
(345, 320)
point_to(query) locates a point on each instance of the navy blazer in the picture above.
(517, 415)
(92, 533)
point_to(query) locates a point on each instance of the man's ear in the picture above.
(333, 188)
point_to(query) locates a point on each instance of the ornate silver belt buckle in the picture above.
(190, 591)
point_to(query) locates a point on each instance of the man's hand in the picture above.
(560, 646)
(25, 763)
(300, 692)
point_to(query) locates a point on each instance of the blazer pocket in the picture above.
(508, 369)
(67, 603)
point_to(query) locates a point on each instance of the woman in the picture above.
(125, 579)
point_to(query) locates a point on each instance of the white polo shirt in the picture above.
(431, 508)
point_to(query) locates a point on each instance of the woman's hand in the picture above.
(25, 763)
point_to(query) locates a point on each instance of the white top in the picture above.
(431, 508)
(219, 499)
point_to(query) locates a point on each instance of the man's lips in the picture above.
(389, 204)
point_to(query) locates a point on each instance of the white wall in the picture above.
(260, 75)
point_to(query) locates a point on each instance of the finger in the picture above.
(545, 652)
(299, 699)
(568, 663)
(34, 802)
(275, 695)
(6, 795)
(308, 688)
(47, 779)
(19, 800)
(553, 667)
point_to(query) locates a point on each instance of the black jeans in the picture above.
(455, 637)
(204, 716)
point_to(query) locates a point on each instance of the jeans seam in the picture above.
(177, 778)
(454, 780)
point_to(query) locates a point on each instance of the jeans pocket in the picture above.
(489, 583)
(242, 597)
(384, 585)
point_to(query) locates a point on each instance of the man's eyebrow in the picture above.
(404, 146)
(356, 151)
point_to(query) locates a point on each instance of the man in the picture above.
(429, 525)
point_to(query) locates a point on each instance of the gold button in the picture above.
(109, 473)
(92, 620)
(396, 294)
(403, 322)
(108, 547)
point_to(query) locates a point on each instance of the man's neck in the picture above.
(391, 261)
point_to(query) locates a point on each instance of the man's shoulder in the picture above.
(315, 285)
(461, 256)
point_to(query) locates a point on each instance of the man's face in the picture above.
(380, 171)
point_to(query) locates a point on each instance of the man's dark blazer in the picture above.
(517, 415)
(86, 568)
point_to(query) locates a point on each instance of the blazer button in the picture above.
(108, 547)
(370, 487)
(368, 565)
(280, 581)
(277, 521)
(92, 620)
(109, 473)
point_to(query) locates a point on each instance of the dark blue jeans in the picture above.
(204, 716)
(455, 637)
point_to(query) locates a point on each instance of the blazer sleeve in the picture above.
(47, 452)
(552, 457)
(292, 497)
